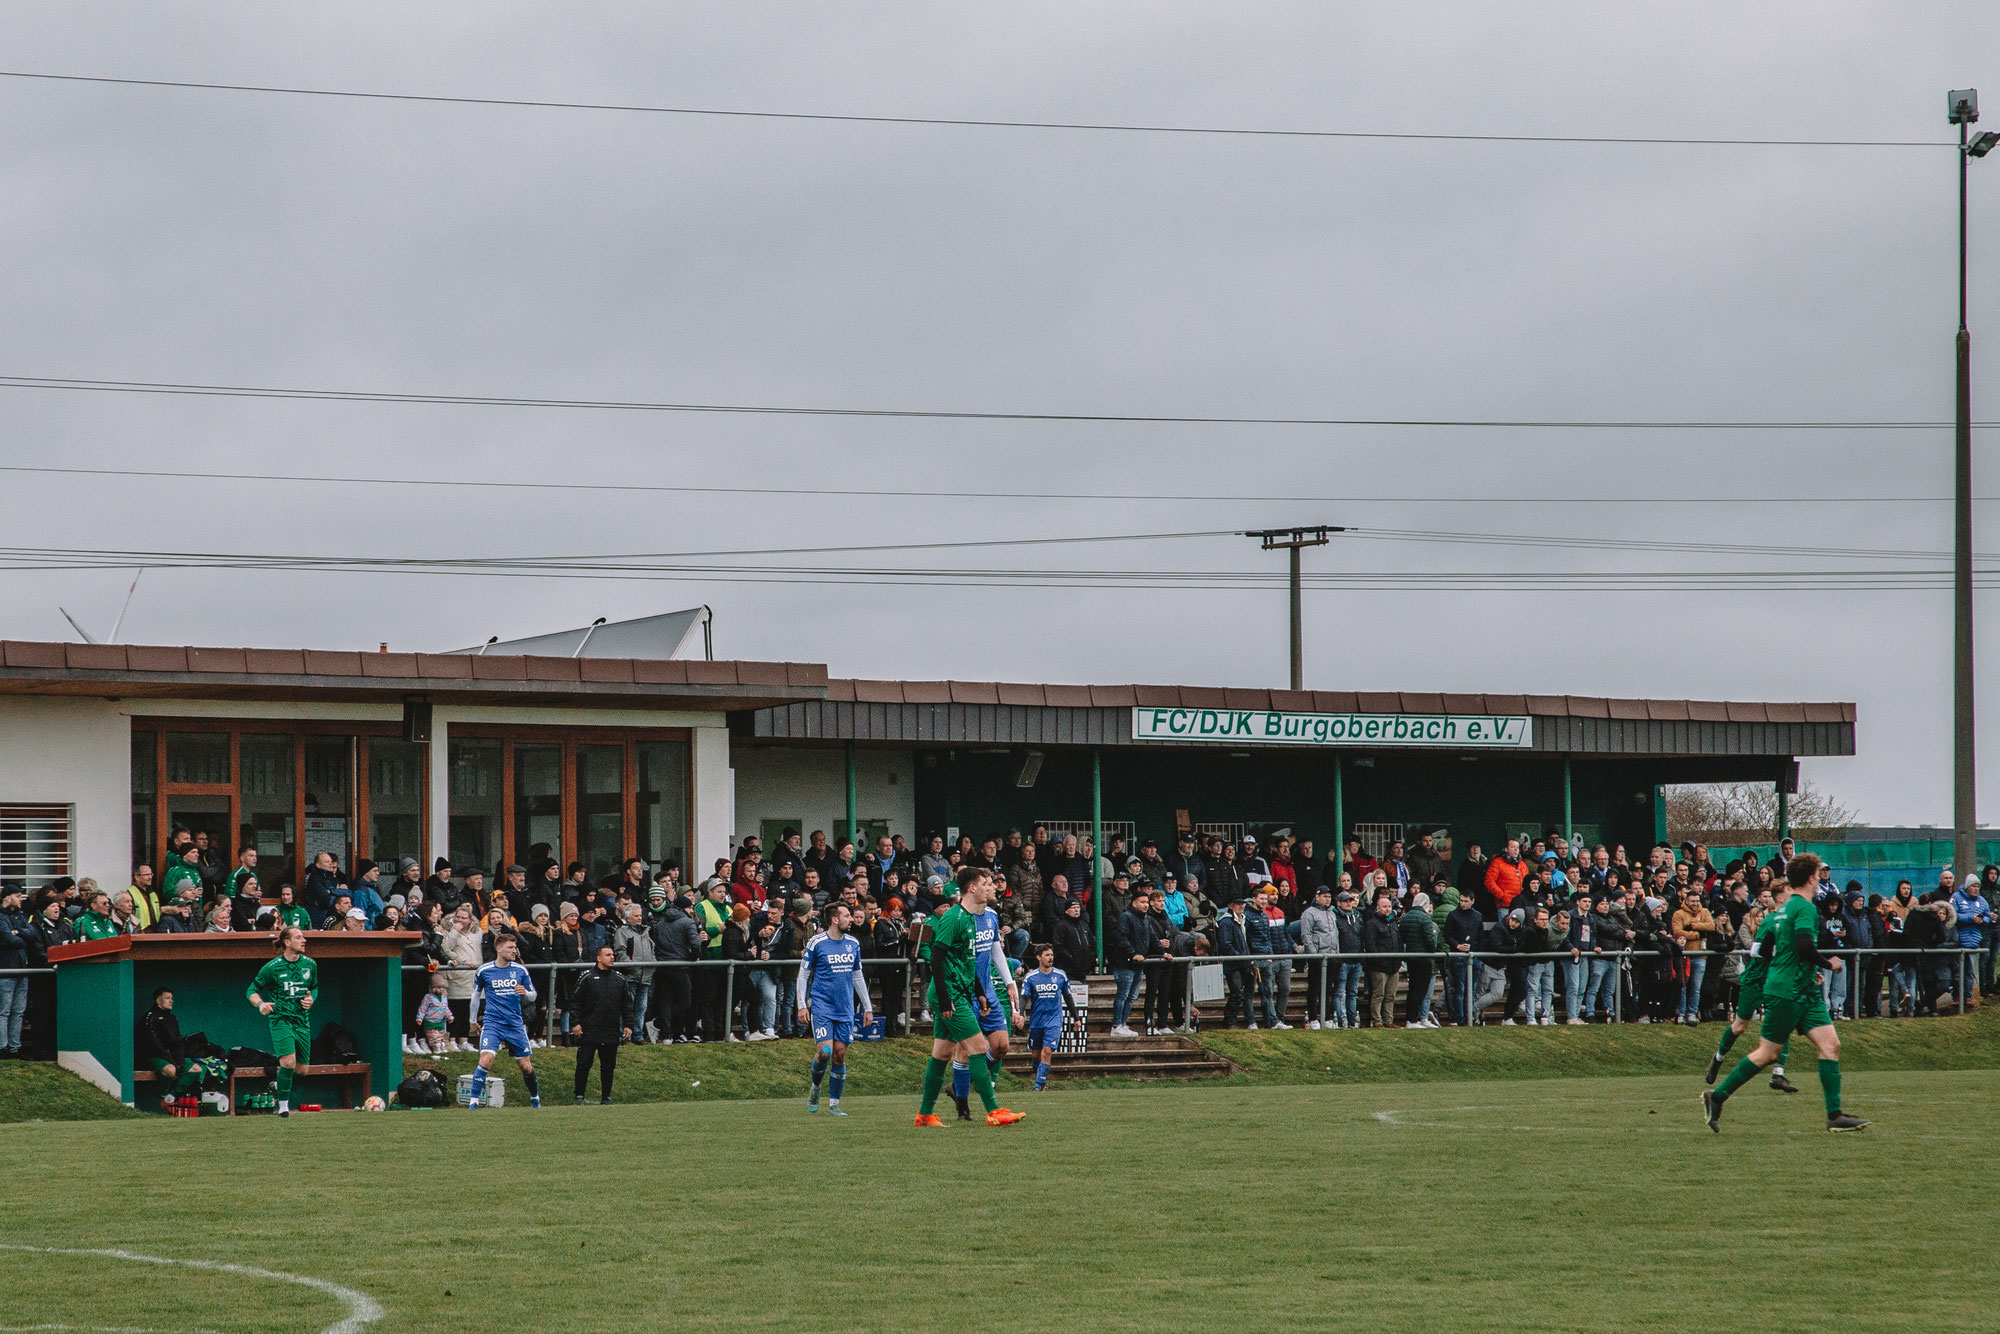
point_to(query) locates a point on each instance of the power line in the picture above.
(1372, 498)
(930, 414)
(544, 104)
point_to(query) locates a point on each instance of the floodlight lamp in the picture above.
(1963, 105)
(1982, 144)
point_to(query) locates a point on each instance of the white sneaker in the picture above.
(1122, 1031)
(1281, 1024)
(734, 1038)
(1507, 1023)
(1577, 1022)
(1313, 1024)
(1547, 1020)
(756, 1035)
(770, 1035)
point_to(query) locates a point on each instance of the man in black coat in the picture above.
(596, 1016)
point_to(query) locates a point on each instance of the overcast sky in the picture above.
(232, 238)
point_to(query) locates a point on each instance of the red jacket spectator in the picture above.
(1503, 878)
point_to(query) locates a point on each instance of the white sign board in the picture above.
(1239, 727)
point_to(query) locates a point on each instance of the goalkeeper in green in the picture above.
(959, 1001)
(283, 992)
(1792, 1003)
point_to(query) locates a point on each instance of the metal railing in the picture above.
(1621, 961)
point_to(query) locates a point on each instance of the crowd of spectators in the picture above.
(1539, 934)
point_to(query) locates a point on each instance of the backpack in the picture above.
(422, 1089)
(197, 1044)
(249, 1058)
(335, 1046)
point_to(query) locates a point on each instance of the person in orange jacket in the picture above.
(1505, 873)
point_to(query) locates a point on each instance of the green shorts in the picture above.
(289, 1036)
(962, 1026)
(1782, 1018)
(1749, 1000)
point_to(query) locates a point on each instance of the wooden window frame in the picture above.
(298, 730)
(567, 739)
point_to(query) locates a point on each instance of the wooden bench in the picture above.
(346, 1074)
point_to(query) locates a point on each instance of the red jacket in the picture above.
(1503, 878)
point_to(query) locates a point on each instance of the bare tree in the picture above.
(1748, 813)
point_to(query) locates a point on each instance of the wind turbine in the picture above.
(116, 625)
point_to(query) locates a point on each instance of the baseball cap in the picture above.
(356, 915)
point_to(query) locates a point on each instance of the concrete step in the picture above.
(1143, 1058)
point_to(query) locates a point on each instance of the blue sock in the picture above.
(1041, 1073)
(479, 1082)
(534, 1086)
(819, 1069)
(961, 1079)
(838, 1083)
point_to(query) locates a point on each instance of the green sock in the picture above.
(1829, 1086)
(982, 1080)
(934, 1077)
(1745, 1071)
(1784, 1050)
(284, 1081)
(1728, 1041)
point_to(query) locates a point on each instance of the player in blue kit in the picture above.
(830, 984)
(499, 992)
(1046, 993)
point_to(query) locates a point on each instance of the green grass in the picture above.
(1494, 1205)
(1971, 1042)
(37, 1091)
(750, 1070)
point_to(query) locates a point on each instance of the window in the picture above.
(268, 823)
(397, 781)
(1376, 838)
(661, 804)
(1112, 829)
(595, 795)
(600, 808)
(538, 814)
(478, 805)
(289, 789)
(35, 843)
(145, 794)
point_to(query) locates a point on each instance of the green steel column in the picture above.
(852, 832)
(1097, 846)
(1659, 814)
(1569, 813)
(1784, 813)
(1339, 815)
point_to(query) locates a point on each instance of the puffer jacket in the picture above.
(1320, 930)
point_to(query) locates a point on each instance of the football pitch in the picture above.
(1495, 1205)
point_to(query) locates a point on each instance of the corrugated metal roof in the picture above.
(1330, 701)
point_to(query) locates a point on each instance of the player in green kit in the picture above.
(955, 1012)
(283, 991)
(1792, 1003)
(1750, 997)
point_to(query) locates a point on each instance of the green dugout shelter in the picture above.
(103, 986)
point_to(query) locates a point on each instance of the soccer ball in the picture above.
(373, 1105)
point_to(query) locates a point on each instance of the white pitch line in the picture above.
(362, 1310)
(100, 1329)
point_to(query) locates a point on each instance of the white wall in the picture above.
(74, 752)
(810, 785)
(78, 752)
